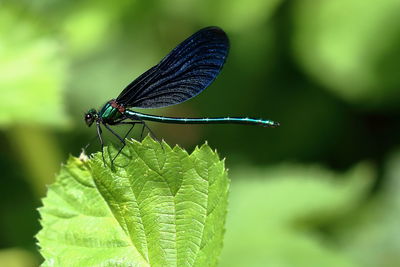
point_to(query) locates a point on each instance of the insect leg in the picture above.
(133, 122)
(151, 133)
(141, 133)
(143, 127)
(122, 140)
(99, 131)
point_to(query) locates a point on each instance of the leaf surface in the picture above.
(158, 206)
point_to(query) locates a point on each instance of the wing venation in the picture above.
(186, 71)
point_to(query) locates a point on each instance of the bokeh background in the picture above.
(321, 190)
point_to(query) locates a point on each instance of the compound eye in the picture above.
(89, 119)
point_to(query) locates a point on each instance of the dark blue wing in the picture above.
(182, 74)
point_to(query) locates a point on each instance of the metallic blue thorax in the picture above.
(109, 113)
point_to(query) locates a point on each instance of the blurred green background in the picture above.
(321, 190)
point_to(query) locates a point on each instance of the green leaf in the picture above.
(33, 72)
(17, 257)
(371, 235)
(351, 47)
(159, 206)
(276, 215)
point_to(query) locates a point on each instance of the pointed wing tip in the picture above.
(215, 30)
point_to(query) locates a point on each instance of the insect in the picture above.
(186, 71)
